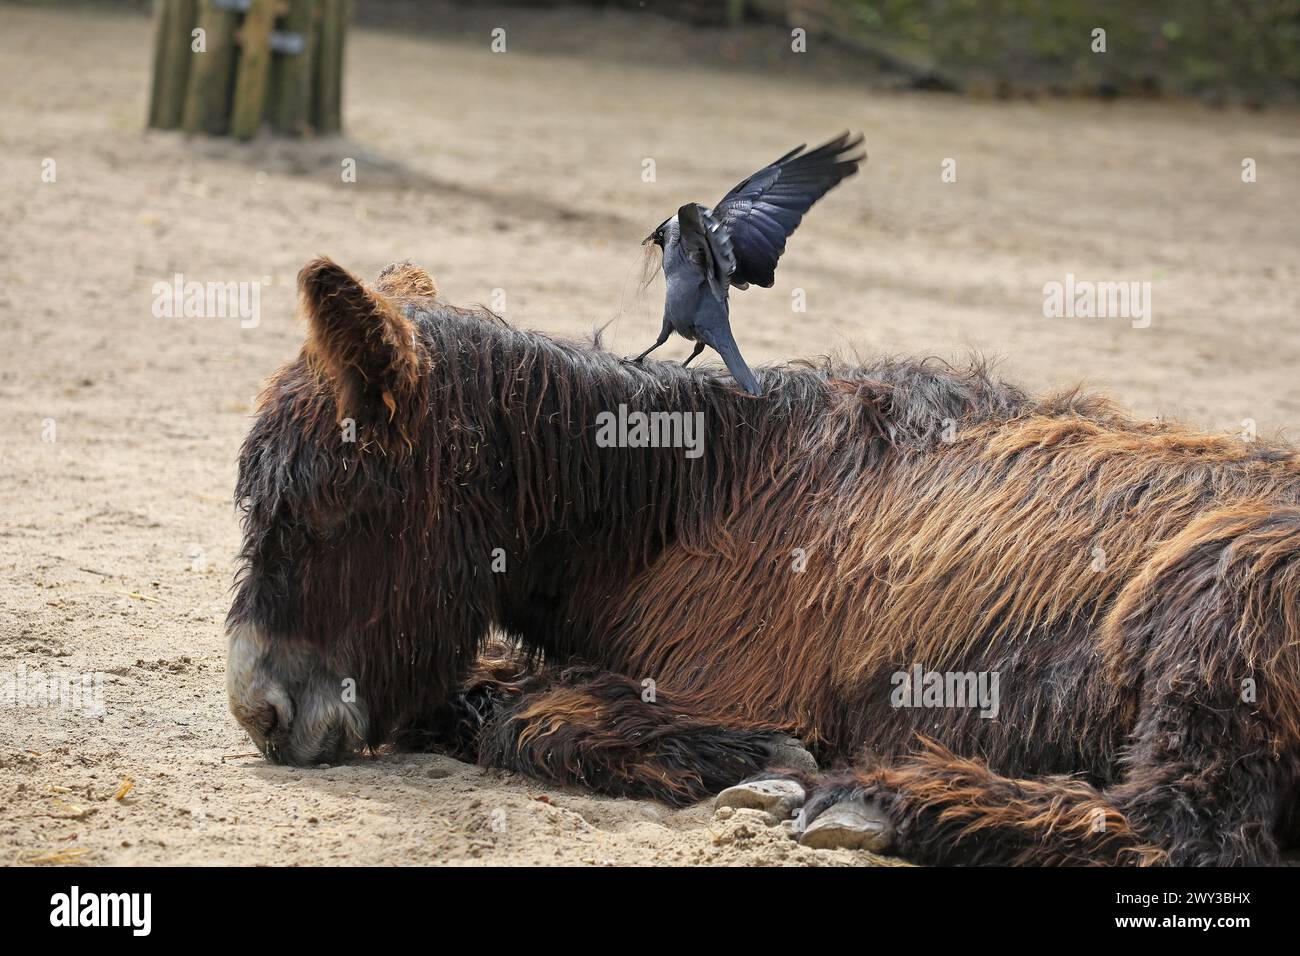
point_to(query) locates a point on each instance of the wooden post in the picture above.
(171, 61)
(291, 75)
(248, 71)
(328, 86)
(254, 69)
(207, 100)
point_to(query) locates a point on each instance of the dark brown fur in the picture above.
(969, 554)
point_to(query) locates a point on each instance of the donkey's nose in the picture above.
(258, 700)
(276, 711)
(265, 711)
(289, 701)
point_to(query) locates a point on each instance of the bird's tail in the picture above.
(724, 343)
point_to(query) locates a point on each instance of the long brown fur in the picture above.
(1126, 580)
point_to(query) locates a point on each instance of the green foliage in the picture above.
(1249, 47)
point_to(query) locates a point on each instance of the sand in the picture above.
(522, 173)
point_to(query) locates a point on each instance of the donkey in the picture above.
(424, 477)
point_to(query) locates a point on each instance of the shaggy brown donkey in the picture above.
(1133, 588)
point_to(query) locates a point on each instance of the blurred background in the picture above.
(1220, 50)
(520, 153)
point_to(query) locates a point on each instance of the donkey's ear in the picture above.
(404, 279)
(361, 339)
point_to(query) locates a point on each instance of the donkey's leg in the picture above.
(936, 808)
(1191, 797)
(1203, 787)
(1205, 784)
(494, 683)
(594, 729)
(1213, 636)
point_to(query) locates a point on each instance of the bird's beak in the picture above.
(649, 238)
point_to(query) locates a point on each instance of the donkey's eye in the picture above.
(325, 523)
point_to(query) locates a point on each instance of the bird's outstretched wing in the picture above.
(706, 244)
(762, 211)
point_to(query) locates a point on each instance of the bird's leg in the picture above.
(663, 337)
(699, 347)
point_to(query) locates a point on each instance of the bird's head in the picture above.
(658, 237)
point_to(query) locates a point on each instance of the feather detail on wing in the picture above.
(761, 212)
(707, 246)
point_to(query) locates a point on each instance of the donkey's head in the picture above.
(411, 452)
(343, 625)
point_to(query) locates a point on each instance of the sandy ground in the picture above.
(518, 172)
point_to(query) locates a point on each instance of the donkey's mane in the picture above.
(544, 396)
(918, 392)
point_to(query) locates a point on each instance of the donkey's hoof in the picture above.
(780, 798)
(850, 825)
(788, 753)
